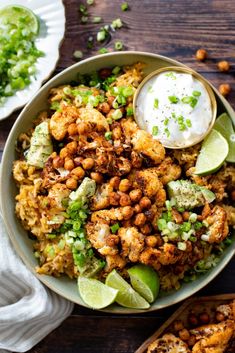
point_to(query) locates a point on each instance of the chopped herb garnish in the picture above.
(83, 9)
(191, 100)
(116, 70)
(186, 99)
(150, 89)
(117, 114)
(96, 19)
(166, 121)
(171, 75)
(84, 19)
(155, 104)
(108, 135)
(188, 122)
(196, 93)
(90, 2)
(90, 42)
(155, 130)
(103, 51)
(114, 228)
(118, 45)
(129, 111)
(173, 99)
(124, 6)
(117, 23)
(101, 35)
(167, 132)
(78, 54)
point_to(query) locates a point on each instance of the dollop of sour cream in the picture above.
(175, 108)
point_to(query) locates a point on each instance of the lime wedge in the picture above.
(145, 281)
(213, 153)
(17, 14)
(126, 296)
(95, 293)
(224, 125)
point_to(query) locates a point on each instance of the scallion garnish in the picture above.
(84, 19)
(124, 6)
(114, 228)
(117, 23)
(129, 111)
(196, 93)
(108, 135)
(103, 51)
(78, 54)
(90, 2)
(173, 99)
(155, 104)
(118, 45)
(96, 19)
(155, 130)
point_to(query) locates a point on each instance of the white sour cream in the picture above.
(175, 108)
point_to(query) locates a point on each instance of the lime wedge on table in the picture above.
(126, 296)
(213, 153)
(16, 14)
(224, 125)
(95, 293)
(145, 281)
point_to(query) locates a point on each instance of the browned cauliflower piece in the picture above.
(148, 182)
(168, 254)
(94, 118)
(132, 243)
(114, 261)
(101, 198)
(113, 214)
(101, 239)
(218, 225)
(168, 344)
(167, 171)
(61, 120)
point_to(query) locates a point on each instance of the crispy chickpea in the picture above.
(137, 208)
(186, 215)
(78, 161)
(191, 341)
(204, 318)
(220, 317)
(88, 163)
(64, 152)
(140, 219)
(98, 177)
(117, 133)
(192, 319)
(146, 229)
(72, 129)
(71, 183)
(225, 89)
(124, 185)
(114, 182)
(104, 107)
(145, 202)
(184, 334)
(125, 200)
(135, 195)
(178, 325)
(201, 54)
(114, 198)
(57, 162)
(151, 241)
(72, 147)
(110, 100)
(78, 172)
(223, 66)
(83, 128)
(68, 164)
(127, 212)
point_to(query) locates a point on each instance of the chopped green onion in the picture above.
(109, 120)
(155, 104)
(117, 114)
(181, 246)
(51, 236)
(188, 123)
(193, 102)
(150, 89)
(90, 2)
(78, 54)
(84, 19)
(198, 225)
(167, 132)
(171, 75)
(124, 6)
(155, 130)
(118, 45)
(117, 23)
(96, 19)
(116, 70)
(186, 99)
(173, 99)
(162, 224)
(166, 121)
(193, 218)
(83, 9)
(103, 51)
(114, 228)
(196, 93)
(101, 35)
(129, 111)
(127, 91)
(108, 135)
(67, 90)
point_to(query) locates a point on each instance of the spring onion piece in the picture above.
(117, 23)
(101, 35)
(96, 19)
(155, 130)
(83, 9)
(103, 51)
(84, 19)
(129, 111)
(124, 6)
(118, 45)
(108, 135)
(117, 114)
(114, 228)
(78, 54)
(90, 2)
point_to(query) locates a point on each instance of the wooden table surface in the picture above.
(175, 28)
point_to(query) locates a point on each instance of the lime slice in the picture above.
(145, 281)
(224, 125)
(126, 296)
(15, 14)
(95, 293)
(213, 153)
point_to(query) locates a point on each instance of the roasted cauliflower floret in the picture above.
(101, 239)
(132, 243)
(101, 198)
(114, 261)
(167, 171)
(94, 118)
(61, 120)
(218, 225)
(113, 214)
(168, 344)
(148, 182)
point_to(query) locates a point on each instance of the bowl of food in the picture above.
(99, 209)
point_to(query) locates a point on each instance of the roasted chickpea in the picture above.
(145, 202)
(72, 147)
(124, 185)
(184, 334)
(150, 214)
(146, 229)
(151, 241)
(220, 317)
(201, 54)
(88, 163)
(140, 219)
(110, 100)
(137, 208)
(117, 133)
(136, 160)
(186, 215)
(125, 200)
(71, 183)
(83, 128)
(178, 325)
(135, 195)
(68, 164)
(72, 129)
(114, 182)
(78, 161)
(192, 319)
(127, 212)
(225, 89)
(114, 198)
(57, 162)
(98, 177)
(78, 172)
(204, 318)
(64, 152)
(191, 341)
(223, 66)
(104, 107)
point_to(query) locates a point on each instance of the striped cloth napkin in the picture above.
(28, 310)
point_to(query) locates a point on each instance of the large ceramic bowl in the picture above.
(23, 245)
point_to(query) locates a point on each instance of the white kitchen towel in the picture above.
(28, 310)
